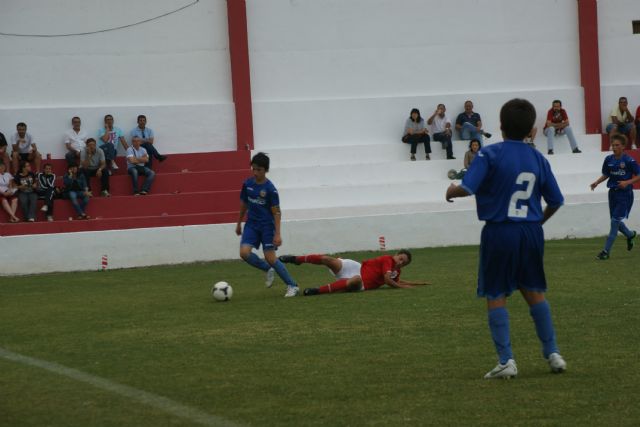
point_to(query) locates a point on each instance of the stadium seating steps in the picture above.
(189, 189)
(314, 183)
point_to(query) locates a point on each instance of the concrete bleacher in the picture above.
(379, 178)
(190, 189)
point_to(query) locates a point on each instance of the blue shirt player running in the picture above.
(260, 198)
(509, 179)
(619, 169)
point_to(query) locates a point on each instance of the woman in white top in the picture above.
(7, 193)
(415, 132)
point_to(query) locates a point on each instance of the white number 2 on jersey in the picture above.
(521, 195)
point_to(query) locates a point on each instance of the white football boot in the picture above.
(508, 370)
(292, 291)
(557, 363)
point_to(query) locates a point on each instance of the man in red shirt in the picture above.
(374, 273)
(557, 124)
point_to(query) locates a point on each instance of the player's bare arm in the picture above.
(406, 282)
(243, 211)
(455, 191)
(277, 215)
(597, 182)
(392, 283)
(548, 213)
(628, 182)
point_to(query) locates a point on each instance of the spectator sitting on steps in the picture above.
(469, 124)
(415, 132)
(137, 157)
(147, 137)
(8, 193)
(24, 148)
(77, 190)
(93, 163)
(74, 141)
(109, 137)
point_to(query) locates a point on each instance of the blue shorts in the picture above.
(511, 257)
(620, 202)
(256, 234)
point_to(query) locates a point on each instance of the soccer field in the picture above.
(150, 347)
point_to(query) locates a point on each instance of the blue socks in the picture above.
(257, 262)
(541, 314)
(499, 326)
(283, 273)
(616, 225)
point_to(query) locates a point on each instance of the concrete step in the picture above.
(405, 171)
(123, 223)
(396, 194)
(188, 162)
(145, 206)
(397, 151)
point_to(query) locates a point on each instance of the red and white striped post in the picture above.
(383, 244)
(105, 262)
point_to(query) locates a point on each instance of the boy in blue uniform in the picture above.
(619, 168)
(260, 198)
(508, 180)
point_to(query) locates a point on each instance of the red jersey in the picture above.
(373, 271)
(554, 116)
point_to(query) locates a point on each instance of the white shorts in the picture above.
(349, 269)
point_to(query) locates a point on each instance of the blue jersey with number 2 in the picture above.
(508, 179)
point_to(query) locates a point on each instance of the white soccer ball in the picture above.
(222, 291)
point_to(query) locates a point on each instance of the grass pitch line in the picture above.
(164, 404)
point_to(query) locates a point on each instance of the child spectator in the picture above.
(47, 190)
(474, 147)
(27, 184)
(76, 190)
(7, 193)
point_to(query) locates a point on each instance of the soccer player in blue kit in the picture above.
(509, 179)
(619, 168)
(260, 198)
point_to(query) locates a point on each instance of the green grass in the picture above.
(383, 358)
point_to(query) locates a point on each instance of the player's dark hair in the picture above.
(517, 118)
(47, 164)
(415, 110)
(22, 165)
(75, 118)
(622, 139)
(622, 98)
(558, 101)
(474, 140)
(21, 125)
(142, 116)
(261, 160)
(90, 140)
(407, 253)
(108, 116)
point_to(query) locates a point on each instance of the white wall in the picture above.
(175, 69)
(83, 251)
(326, 72)
(619, 51)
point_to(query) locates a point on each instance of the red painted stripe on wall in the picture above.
(240, 72)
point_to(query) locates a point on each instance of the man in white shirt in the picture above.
(24, 148)
(75, 141)
(136, 158)
(441, 129)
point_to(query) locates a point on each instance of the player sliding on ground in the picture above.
(353, 276)
(508, 180)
